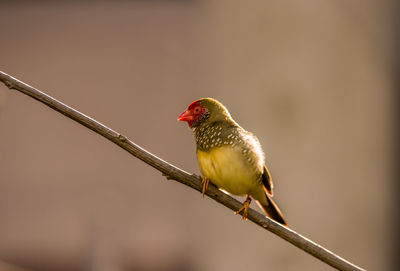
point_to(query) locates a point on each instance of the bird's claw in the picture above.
(167, 176)
(204, 182)
(244, 208)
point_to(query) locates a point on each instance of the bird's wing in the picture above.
(267, 181)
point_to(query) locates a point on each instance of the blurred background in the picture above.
(314, 80)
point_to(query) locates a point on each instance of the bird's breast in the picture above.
(229, 169)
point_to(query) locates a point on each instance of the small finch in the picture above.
(230, 157)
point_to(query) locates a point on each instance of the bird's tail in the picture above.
(271, 210)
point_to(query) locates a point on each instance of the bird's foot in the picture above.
(244, 208)
(204, 182)
(167, 176)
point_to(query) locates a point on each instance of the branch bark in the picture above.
(172, 172)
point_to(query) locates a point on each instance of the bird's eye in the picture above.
(197, 110)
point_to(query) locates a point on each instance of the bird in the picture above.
(230, 157)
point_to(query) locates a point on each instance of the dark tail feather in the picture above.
(271, 210)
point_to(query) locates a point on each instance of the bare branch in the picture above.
(172, 172)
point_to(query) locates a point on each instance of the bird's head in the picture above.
(204, 111)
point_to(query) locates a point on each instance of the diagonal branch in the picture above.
(172, 172)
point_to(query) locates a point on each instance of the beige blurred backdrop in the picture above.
(312, 79)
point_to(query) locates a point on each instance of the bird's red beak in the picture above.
(186, 116)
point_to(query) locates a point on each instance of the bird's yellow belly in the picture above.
(228, 170)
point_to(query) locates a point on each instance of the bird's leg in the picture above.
(244, 208)
(167, 176)
(204, 182)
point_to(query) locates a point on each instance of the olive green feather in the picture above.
(232, 158)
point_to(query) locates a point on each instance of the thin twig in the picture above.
(172, 172)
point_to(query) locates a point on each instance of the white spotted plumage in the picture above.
(229, 156)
